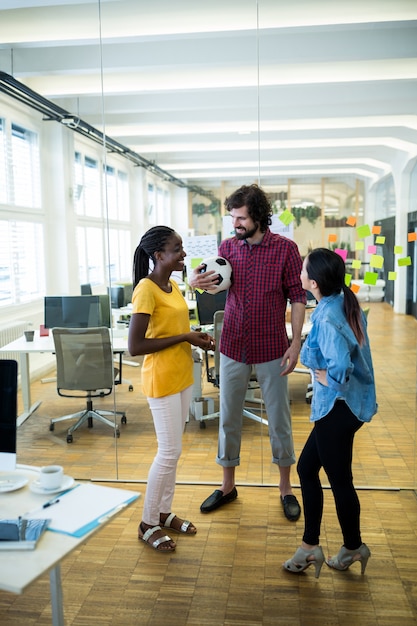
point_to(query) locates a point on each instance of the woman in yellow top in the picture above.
(160, 329)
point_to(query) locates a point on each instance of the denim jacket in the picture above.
(332, 346)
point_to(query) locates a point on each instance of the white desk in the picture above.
(20, 568)
(45, 344)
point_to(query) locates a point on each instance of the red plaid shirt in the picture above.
(265, 277)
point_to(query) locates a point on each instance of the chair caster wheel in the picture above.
(51, 426)
(124, 420)
(69, 438)
(202, 424)
(130, 387)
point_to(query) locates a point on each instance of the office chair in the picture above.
(84, 359)
(8, 413)
(213, 372)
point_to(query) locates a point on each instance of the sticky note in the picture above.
(376, 261)
(363, 231)
(405, 261)
(348, 278)
(286, 217)
(380, 240)
(412, 237)
(342, 253)
(372, 249)
(332, 238)
(370, 278)
(355, 288)
(351, 221)
(376, 230)
(356, 264)
(398, 249)
(359, 245)
(392, 275)
(195, 262)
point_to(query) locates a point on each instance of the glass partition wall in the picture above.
(144, 185)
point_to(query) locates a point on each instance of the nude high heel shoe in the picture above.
(346, 557)
(303, 559)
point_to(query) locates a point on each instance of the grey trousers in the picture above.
(234, 379)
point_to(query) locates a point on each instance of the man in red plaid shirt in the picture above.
(266, 276)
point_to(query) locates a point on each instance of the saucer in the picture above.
(67, 482)
(12, 482)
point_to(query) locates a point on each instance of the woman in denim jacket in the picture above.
(338, 354)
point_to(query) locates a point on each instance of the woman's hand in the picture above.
(321, 377)
(201, 340)
(204, 280)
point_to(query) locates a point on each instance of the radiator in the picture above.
(8, 333)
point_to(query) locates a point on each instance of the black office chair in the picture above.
(84, 360)
(8, 413)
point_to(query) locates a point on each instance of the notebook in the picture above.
(21, 534)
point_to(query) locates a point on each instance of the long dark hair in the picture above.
(256, 200)
(154, 240)
(327, 268)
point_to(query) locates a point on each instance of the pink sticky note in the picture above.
(341, 252)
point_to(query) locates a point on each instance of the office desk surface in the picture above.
(19, 568)
(46, 344)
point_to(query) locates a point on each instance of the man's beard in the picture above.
(246, 234)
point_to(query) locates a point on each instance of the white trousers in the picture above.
(169, 415)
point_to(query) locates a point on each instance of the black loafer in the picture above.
(217, 499)
(292, 509)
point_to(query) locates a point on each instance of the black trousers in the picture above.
(330, 446)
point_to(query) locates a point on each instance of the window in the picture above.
(90, 255)
(22, 274)
(87, 196)
(120, 254)
(22, 265)
(25, 176)
(117, 194)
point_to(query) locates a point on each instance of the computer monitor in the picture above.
(117, 296)
(86, 289)
(208, 304)
(77, 311)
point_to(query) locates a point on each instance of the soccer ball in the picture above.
(223, 268)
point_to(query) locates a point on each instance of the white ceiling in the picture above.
(230, 90)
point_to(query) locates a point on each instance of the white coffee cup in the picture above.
(51, 476)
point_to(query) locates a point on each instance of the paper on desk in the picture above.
(85, 507)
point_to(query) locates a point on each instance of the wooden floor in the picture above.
(230, 573)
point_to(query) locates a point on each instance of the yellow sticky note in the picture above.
(359, 245)
(405, 261)
(380, 239)
(363, 231)
(370, 278)
(376, 261)
(392, 275)
(348, 278)
(286, 217)
(356, 264)
(398, 249)
(351, 221)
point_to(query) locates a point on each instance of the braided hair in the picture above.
(154, 240)
(327, 268)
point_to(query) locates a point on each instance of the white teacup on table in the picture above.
(51, 476)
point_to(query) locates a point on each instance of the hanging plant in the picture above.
(310, 213)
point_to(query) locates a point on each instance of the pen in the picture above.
(50, 503)
(40, 508)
